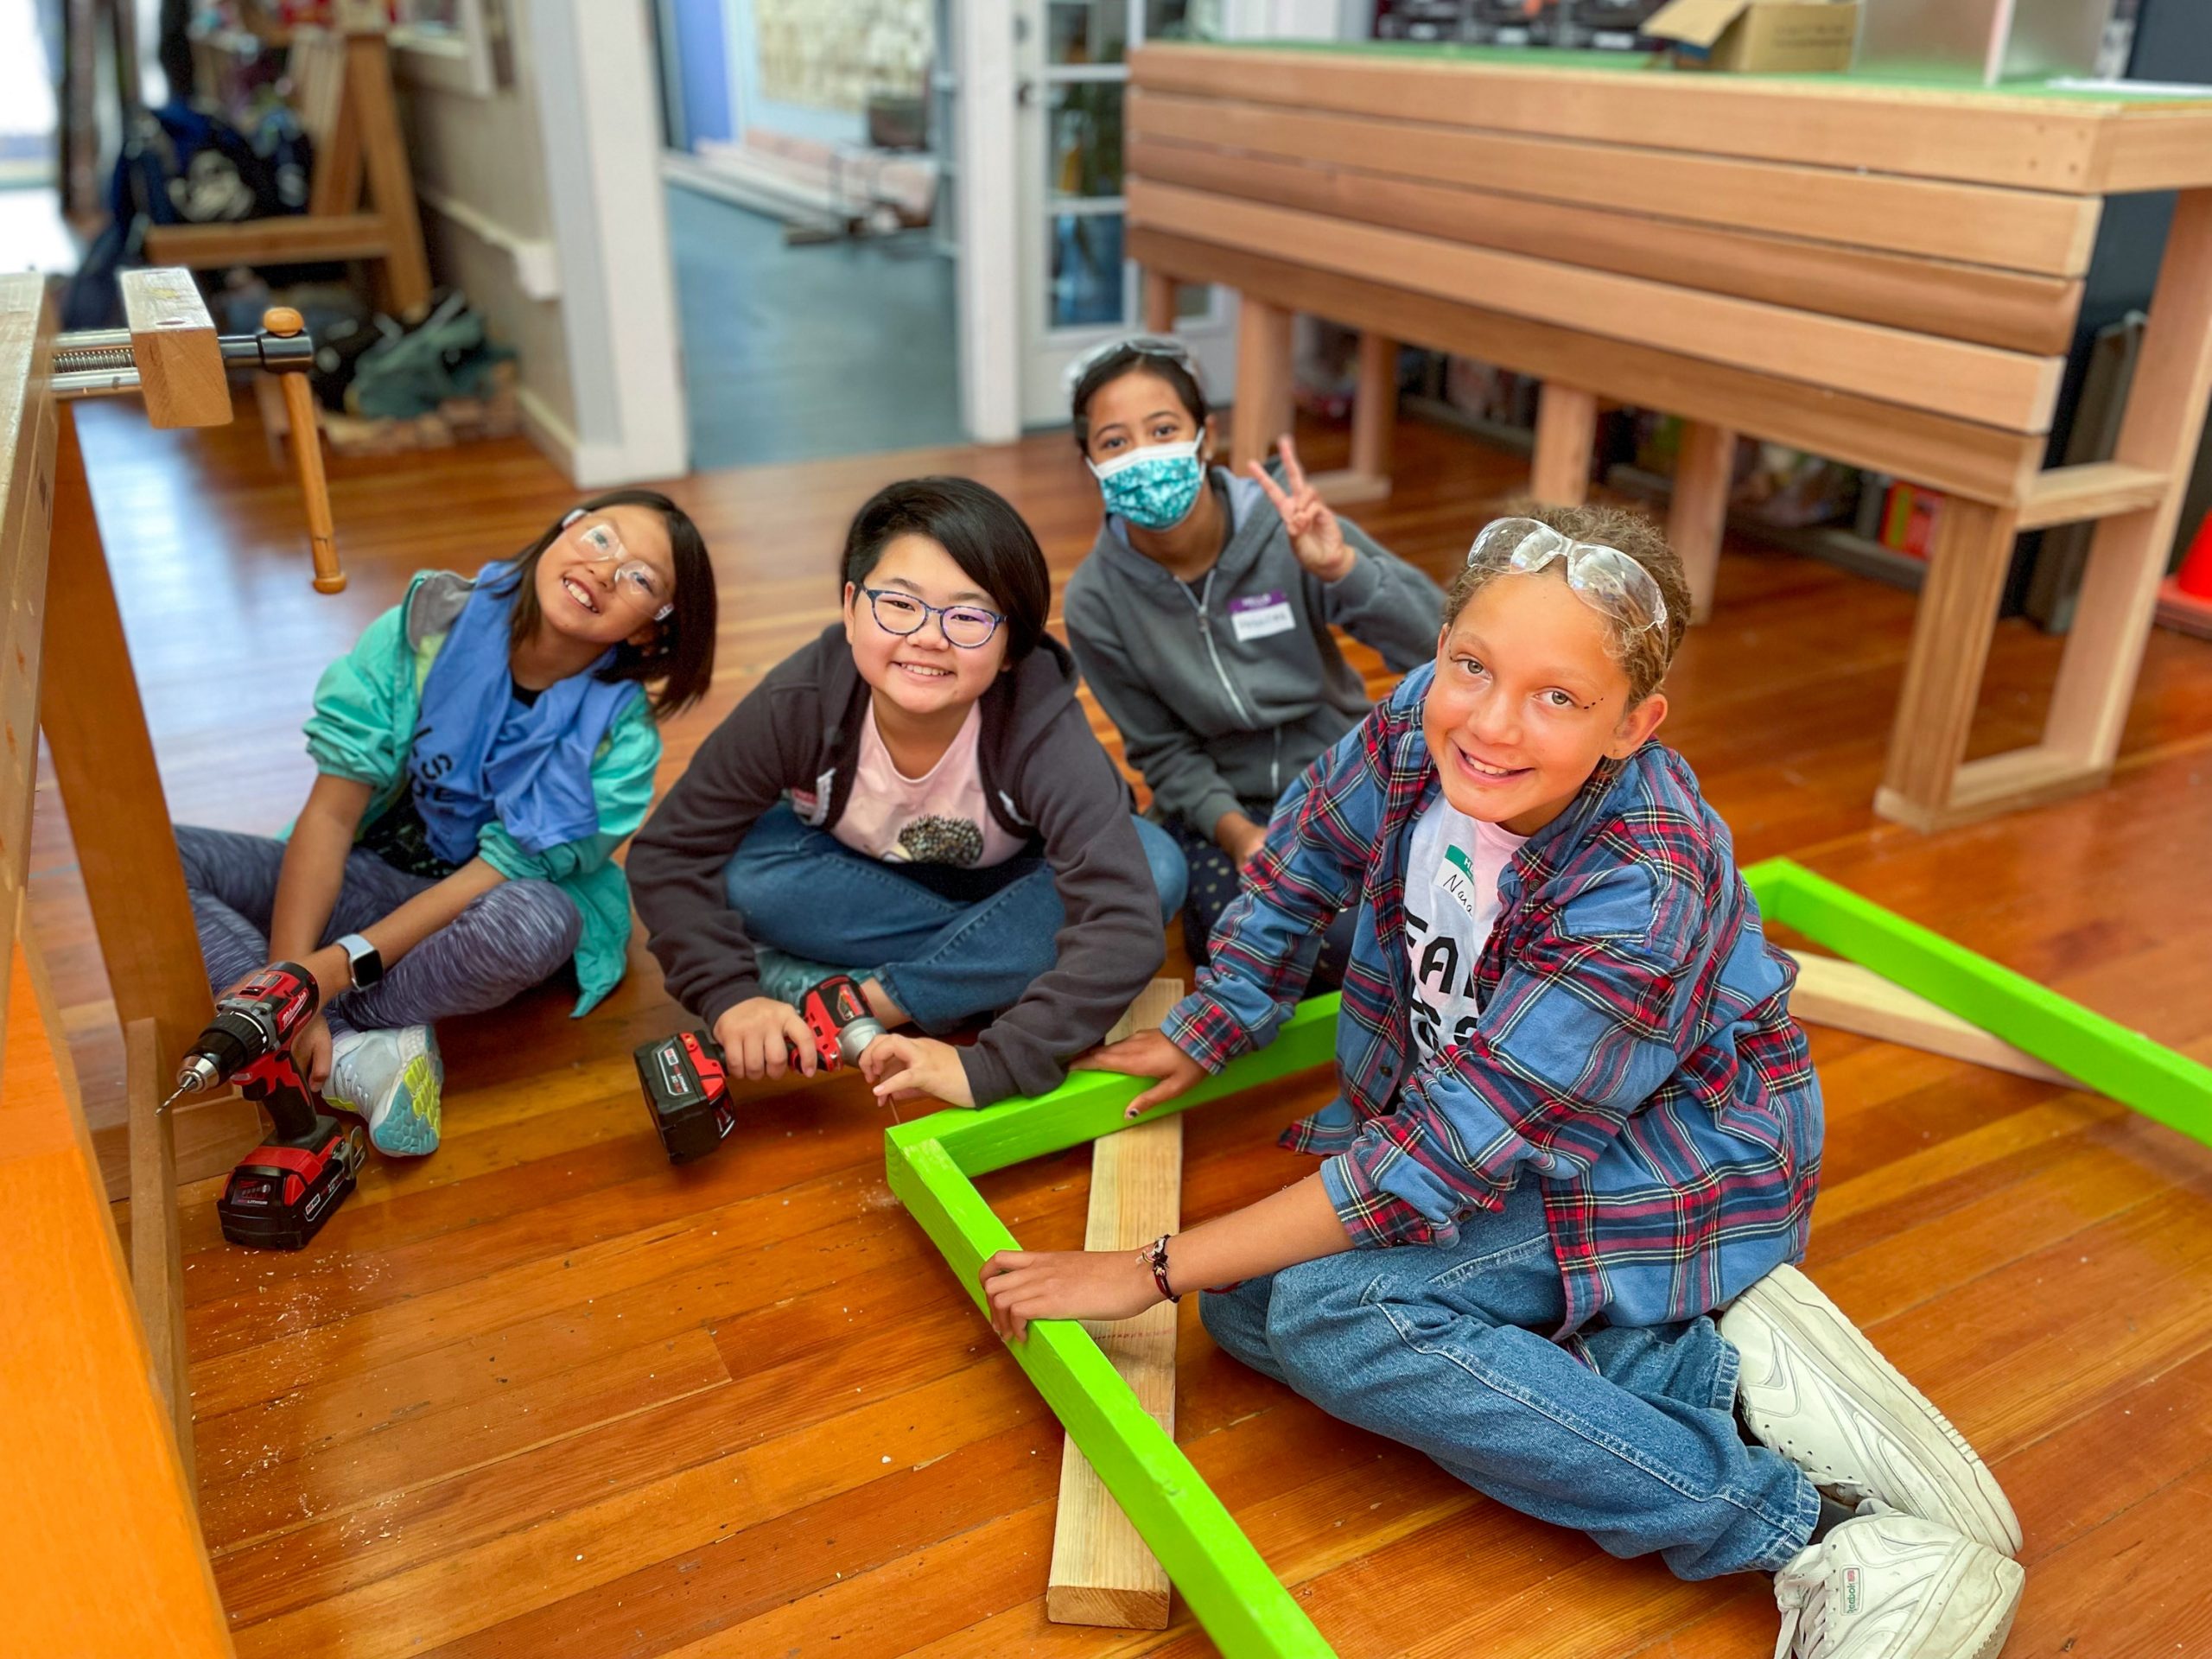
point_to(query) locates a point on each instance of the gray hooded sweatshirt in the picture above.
(1225, 691)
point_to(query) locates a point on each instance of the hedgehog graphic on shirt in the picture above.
(935, 840)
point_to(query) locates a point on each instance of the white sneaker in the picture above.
(1814, 1390)
(1885, 1585)
(394, 1079)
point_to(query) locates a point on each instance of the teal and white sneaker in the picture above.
(394, 1079)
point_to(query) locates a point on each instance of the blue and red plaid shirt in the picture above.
(1634, 1052)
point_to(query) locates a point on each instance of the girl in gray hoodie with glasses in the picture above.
(1202, 619)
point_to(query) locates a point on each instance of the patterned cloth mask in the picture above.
(1152, 487)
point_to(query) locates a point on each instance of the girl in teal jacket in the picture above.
(478, 757)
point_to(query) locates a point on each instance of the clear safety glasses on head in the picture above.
(634, 580)
(1604, 578)
(1158, 346)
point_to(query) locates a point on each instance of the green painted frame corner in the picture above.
(2100, 1053)
(931, 1161)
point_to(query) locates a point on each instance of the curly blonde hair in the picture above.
(1643, 653)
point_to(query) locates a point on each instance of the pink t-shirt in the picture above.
(940, 817)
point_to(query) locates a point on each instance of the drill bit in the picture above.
(175, 1094)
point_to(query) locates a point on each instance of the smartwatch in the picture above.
(362, 963)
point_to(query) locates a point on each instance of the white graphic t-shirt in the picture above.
(1451, 870)
(940, 817)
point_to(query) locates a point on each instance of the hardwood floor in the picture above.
(543, 1395)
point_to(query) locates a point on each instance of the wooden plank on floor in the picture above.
(1102, 1573)
(1833, 992)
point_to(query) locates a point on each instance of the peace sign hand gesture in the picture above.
(1315, 535)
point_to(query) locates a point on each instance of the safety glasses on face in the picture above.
(1604, 578)
(1158, 346)
(635, 580)
(965, 625)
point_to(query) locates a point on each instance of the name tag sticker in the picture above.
(1259, 615)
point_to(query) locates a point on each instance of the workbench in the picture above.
(1886, 273)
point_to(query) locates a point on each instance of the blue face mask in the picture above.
(1154, 487)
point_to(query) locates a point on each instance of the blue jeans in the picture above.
(943, 955)
(1627, 1434)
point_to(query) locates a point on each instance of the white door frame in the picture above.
(599, 121)
(988, 206)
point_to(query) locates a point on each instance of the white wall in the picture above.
(543, 200)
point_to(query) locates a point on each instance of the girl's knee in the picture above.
(535, 918)
(1171, 871)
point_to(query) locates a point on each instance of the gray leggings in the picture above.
(504, 943)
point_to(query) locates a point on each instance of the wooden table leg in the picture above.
(1950, 645)
(1262, 381)
(1567, 433)
(1705, 469)
(2160, 429)
(1374, 427)
(1158, 302)
(118, 817)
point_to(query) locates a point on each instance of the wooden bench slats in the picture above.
(1945, 454)
(2016, 310)
(2096, 489)
(2074, 146)
(2026, 230)
(1975, 383)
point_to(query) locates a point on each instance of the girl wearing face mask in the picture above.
(1201, 618)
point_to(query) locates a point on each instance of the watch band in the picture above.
(362, 959)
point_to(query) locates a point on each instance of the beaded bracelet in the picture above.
(1154, 1255)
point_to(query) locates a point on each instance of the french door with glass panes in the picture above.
(1078, 287)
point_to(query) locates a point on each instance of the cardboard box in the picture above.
(1773, 37)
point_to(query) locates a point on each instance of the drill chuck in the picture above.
(854, 1035)
(196, 1074)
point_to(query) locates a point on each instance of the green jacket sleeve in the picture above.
(361, 721)
(621, 784)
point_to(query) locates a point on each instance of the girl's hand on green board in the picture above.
(1147, 1054)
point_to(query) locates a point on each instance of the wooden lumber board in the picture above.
(180, 378)
(1834, 992)
(156, 1243)
(26, 443)
(1959, 456)
(2017, 310)
(2012, 229)
(109, 783)
(1976, 383)
(1102, 1573)
(2072, 145)
(2096, 489)
(1375, 407)
(2159, 433)
(296, 238)
(91, 1452)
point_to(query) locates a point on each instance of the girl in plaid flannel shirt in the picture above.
(1579, 1134)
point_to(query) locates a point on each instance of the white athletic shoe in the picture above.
(1883, 1586)
(393, 1078)
(1814, 1390)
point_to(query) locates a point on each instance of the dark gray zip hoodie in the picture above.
(1225, 695)
(1047, 780)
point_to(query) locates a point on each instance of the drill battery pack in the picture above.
(280, 1194)
(687, 1093)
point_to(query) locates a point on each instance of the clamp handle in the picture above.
(306, 455)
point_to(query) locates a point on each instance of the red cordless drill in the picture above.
(687, 1089)
(281, 1191)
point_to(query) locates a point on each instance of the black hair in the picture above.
(986, 537)
(681, 654)
(1127, 359)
